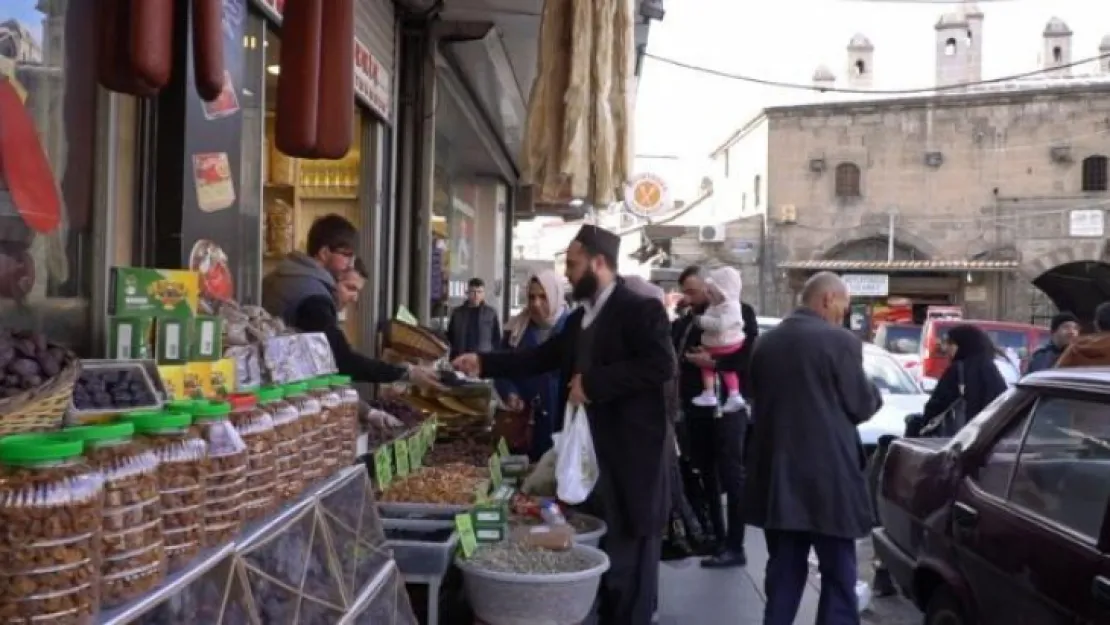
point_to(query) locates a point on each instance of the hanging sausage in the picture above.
(298, 87)
(208, 48)
(151, 40)
(114, 50)
(335, 120)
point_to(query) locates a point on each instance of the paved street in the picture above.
(692, 595)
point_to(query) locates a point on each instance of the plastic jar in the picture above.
(348, 417)
(287, 427)
(227, 472)
(330, 436)
(51, 512)
(256, 427)
(182, 473)
(134, 559)
(312, 447)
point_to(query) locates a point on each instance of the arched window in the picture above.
(950, 47)
(1057, 54)
(1094, 173)
(861, 68)
(847, 180)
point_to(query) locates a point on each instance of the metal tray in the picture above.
(157, 390)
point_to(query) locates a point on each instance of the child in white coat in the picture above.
(722, 326)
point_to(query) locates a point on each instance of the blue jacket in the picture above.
(541, 391)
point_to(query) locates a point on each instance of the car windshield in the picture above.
(901, 339)
(888, 375)
(1012, 342)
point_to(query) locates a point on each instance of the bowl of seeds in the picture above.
(513, 584)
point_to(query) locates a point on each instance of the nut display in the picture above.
(27, 360)
(333, 453)
(468, 452)
(50, 509)
(452, 484)
(227, 468)
(256, 427)
(287, 427)
(182, 475)
(312, 447)
(131, 499)
(347, 417)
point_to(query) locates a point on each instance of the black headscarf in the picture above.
(972, 342)
(981, 379)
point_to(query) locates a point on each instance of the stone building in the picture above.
(987, 195)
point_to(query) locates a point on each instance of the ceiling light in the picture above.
(273, 70)
(576, 202)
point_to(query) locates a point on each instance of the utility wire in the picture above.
(919, 91)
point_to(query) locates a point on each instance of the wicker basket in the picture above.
(40, 409)
(415, 341)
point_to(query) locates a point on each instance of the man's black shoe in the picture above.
(726, 560)
(883, 584)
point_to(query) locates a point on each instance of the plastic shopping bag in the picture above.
(575, 459)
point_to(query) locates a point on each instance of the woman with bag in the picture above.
(968, 385)
(534, 412)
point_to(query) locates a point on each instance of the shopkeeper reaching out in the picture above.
(302, 291)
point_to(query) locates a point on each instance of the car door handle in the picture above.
(1100, 590)
(964, 515)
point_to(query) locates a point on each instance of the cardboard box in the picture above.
(173, 378)
(139, 291)
(130, 338)
(207, 339)
(490, 533)
(172, 340)
(197, 377)
(221, 378)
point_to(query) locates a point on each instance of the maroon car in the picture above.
(1008, 522)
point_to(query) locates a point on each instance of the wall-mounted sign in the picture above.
(867, 284)
(647, 196)
(1086, 223)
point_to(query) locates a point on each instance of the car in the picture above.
(1009, 520)
(903, 341)
(766, 323)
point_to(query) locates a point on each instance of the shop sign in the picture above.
(373, 84)
(1086, 223)
(647, 196)
(867, 284)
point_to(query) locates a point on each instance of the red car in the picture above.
(1018, 340)
(1007, 523)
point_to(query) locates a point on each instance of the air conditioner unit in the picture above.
(711, 234)
(1060, 154)
(817, 165)
(788, 214)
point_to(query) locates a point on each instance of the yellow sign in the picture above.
(647, 195)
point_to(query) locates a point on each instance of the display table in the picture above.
(321, 560)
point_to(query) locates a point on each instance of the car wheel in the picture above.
(944, 608)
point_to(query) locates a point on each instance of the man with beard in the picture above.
(615, 359)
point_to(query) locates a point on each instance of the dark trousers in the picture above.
(629, 589)
(788, 570)
(717, 452)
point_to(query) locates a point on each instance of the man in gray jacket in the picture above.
(806, 485)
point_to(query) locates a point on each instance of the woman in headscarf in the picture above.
(971, 374)
(539, 321)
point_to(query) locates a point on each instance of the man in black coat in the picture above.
(806, 484)
(616, 357)
(716, 441)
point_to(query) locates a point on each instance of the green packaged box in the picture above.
(172, 341)
(490, 514)
(139, 291)
(490, 533)
(130, 338)
(207, 339)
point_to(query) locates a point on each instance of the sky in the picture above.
(687, 114)
(25, 12)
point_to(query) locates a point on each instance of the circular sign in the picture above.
(647, 195)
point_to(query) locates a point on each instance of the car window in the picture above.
(887, 374)
(900, 339)
(1014, 342)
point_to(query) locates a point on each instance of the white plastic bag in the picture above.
(576, 461)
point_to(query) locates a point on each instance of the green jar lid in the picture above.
(268, 394)
(320, 382)
(297, 388)
(93, 433)
(212, 410)
(340, 380)
(188, 406)
(139, 414)
(157, 421)
(21, 449)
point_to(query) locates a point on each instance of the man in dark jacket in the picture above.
(1065, 328)
(301, 291)
(616, 354)
(806, 485)
(474, 326)
(716, 441)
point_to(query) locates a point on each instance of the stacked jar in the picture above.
(256, 427)
(182, 473)
(312, 448)
(134, 558)
(347, 417)
(321, 390)
(287, 427)
(227, 472)
(50, 512)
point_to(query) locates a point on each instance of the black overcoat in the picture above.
(632, 361)
(806, 463)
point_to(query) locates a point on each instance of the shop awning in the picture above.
(892, 266)
(578, 137)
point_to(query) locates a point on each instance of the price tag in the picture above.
(401, 457)
(383, 467)
(495, 470)
(464, 525)
(503, 448)
(416, 451)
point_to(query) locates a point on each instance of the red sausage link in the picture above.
(208, 48)
(115, 71)
(151, 37)
(335, 122)
(298, 88)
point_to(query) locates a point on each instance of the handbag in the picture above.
(515, 426)
(947, 423)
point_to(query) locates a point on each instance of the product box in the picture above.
(138, 291)
(490, 514)
(130, 338)
(197, 377)
(173, 378)
(172, 340)
(207, 339)
(221, 378)
(490, 533)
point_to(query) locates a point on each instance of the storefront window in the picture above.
(48, 96)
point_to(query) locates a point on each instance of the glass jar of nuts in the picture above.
(227, 472)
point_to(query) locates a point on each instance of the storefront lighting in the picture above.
(575, 203)
(970, 278)
(273, 70)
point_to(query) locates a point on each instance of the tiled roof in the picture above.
(901, 265)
